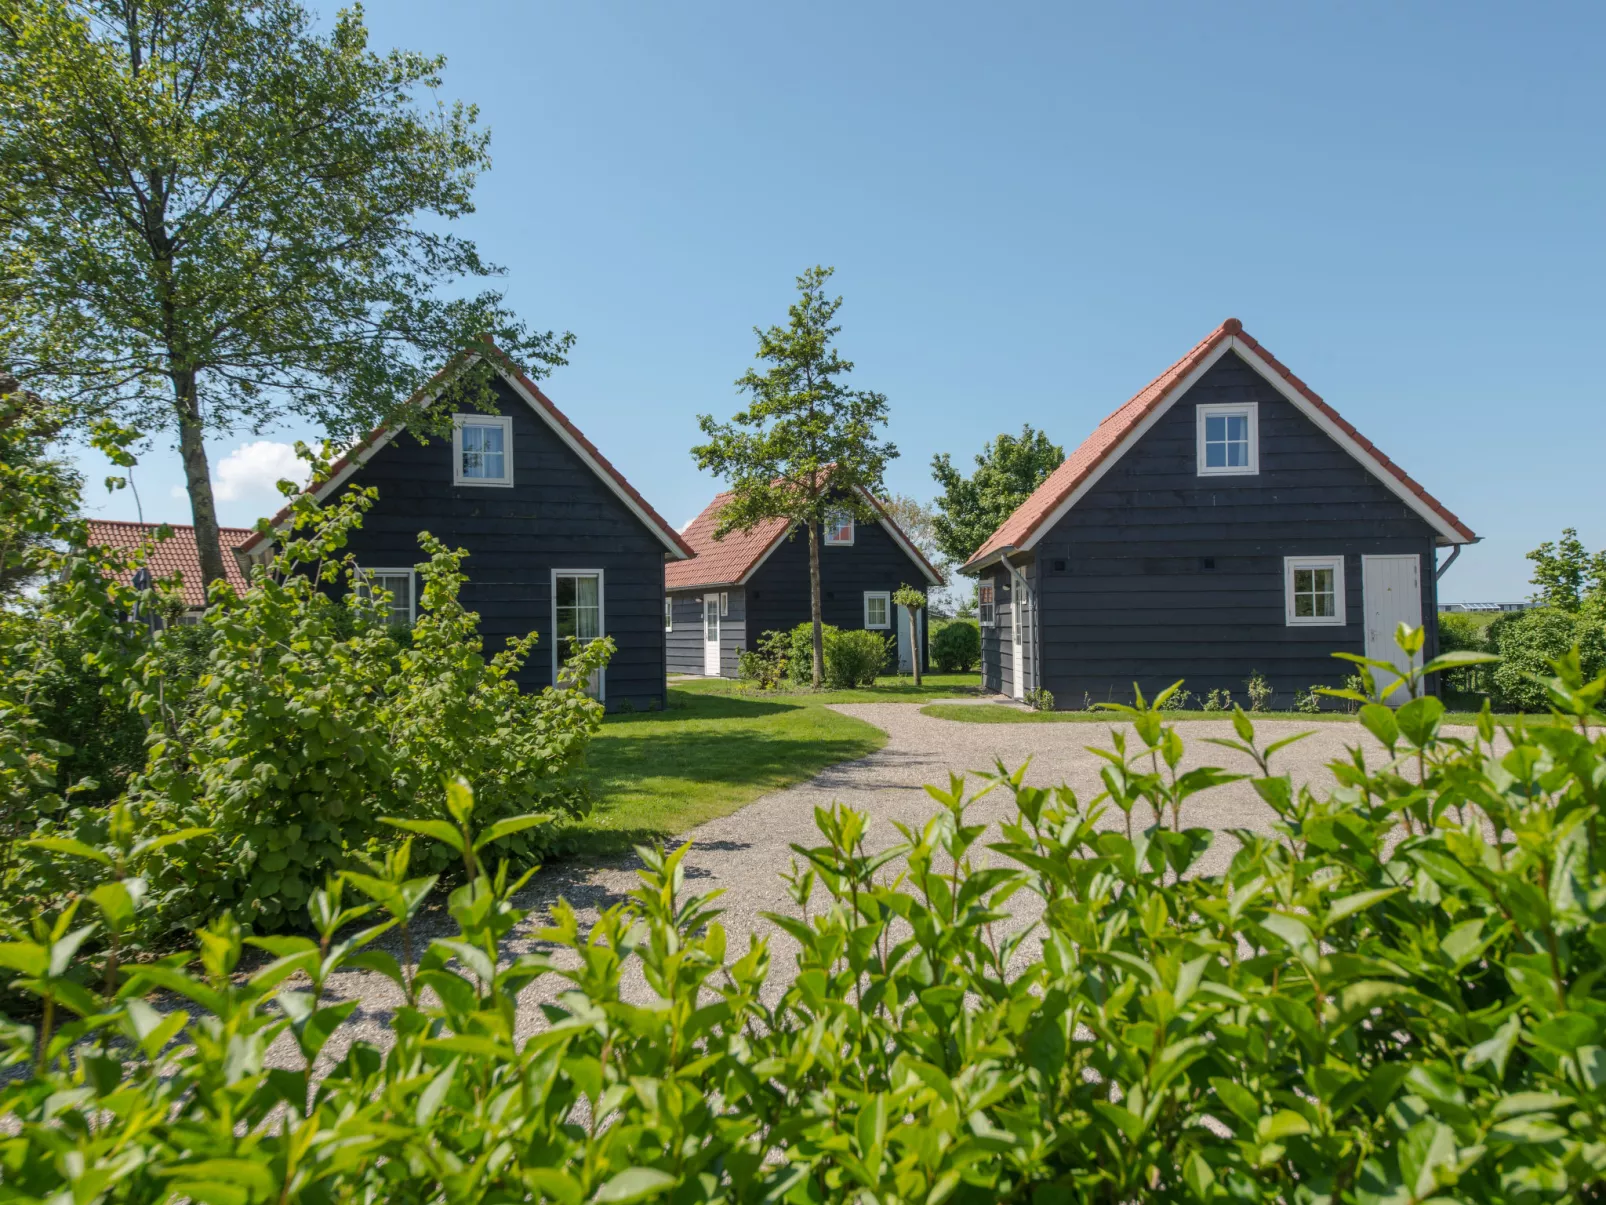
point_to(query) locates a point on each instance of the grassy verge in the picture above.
(997, 713)
(720, 746)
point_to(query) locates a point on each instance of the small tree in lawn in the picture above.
(912, 601)
(806, 443)
(214, 217)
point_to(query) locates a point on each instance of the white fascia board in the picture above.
(590, 462)
(1448, 534)
(898, 538)
(1126, 444)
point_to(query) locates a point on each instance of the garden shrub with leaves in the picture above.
(956, 646)
(1528, 641)
(852, 657)
(1391, 996)
(766, 665)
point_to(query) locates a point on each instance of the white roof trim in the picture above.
(1122, 448)
(355, 461)
(1446, 533)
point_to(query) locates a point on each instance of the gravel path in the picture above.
(745, 853)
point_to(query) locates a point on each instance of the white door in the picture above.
(711, 635)
(1017, 621)
(1393, 590)
(905, 660)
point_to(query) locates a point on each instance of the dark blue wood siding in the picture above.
(686, 641)
(1158, 574)
(557, 515)
(778, 593)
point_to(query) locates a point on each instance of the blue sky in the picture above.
(1032, 210)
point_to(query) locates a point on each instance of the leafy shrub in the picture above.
(1309, 700)
(1258, 689)
(1176, 700)
(956, 646)
(1041, 699)
(1528, 641)
(1462, 633)
(765, 665)
(852, 657)
(1219, 699)
(1392, 996)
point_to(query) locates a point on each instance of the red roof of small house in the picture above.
(728, 561)
(1109, 437)
(176, 556)
(358, 454)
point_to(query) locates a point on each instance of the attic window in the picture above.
(839, 527)
(1229, 439)
(984, 604)
(482, 449)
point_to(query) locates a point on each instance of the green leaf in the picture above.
(1199, 1176)
(634, 1184)
(1352, 904)
(66, 845)
(429, 1100)
(117, 901)
(437, 829)
(512, 824)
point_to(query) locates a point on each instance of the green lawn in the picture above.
(721, 745)
(998, 713)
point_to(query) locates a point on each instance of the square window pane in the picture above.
(1215, 428)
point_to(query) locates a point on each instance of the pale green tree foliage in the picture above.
(1566, 576)
(969, 509)
(213, 216)
(806, 442)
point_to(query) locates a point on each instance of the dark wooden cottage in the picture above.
(558, 541)
(1225, 522)
(734, 590)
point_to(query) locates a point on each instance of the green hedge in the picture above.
(853, 657)
(956, 646)
(1391, 995)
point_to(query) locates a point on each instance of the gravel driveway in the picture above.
(745, 853)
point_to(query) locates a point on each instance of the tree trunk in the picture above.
(814, 603)
(198, 477)
(914, 641)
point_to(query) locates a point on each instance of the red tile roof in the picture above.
(1109, 434)
(355, 452)
(176, 556)
(726, 562)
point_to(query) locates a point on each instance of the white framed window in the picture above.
(577, 618)
(877, 609)
(984, 604)
(482, 449)
(1229, 439)
(724, 605)
(839, 527)
(402, 604)
(669, 614)
(1313, 591)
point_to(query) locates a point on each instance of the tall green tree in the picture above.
(39, 491)
(213, 217)
(805, 440)
(969, 509)
(1566, 576)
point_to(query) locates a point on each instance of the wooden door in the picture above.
(711, 635)
(1392, 586)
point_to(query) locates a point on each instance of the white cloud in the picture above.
(253, 470)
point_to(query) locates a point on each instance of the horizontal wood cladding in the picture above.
(556, 515)
(777, 596)
(686, 641)
(1159, 574)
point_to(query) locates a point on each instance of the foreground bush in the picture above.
(853, 657)
(956, 647)
(1393, 998)
(1528, 641)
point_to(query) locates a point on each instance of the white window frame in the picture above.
(504, 421)
(669, 611)
(1336, 564)
(1215, 409)
(886, 598)
(986, 604)
(724, 604)
(602, 622)
(835, 521)
(364, 572)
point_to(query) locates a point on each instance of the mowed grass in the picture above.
(719, 746)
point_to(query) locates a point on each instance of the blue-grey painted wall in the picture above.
(1158, 574)
(557, 515)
